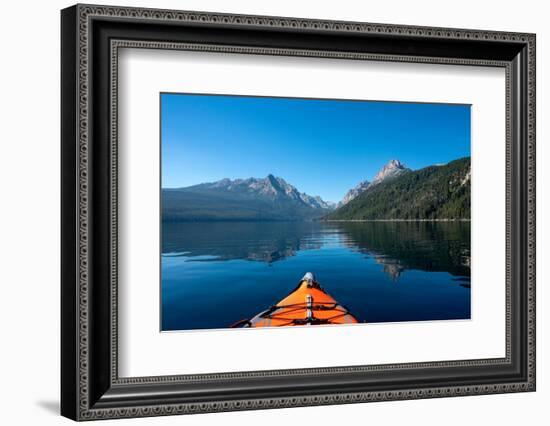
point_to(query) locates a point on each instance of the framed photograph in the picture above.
(263, 212)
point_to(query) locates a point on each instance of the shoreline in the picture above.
(396, 220)
(306, 221)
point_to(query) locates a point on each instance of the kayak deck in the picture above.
(307, 304)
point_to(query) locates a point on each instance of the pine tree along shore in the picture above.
(439, 193)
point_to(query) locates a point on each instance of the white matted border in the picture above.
(144, 351)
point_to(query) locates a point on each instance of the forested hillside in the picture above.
(435, 192)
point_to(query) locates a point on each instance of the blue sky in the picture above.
(322, 147)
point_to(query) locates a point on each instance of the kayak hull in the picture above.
(307, 304)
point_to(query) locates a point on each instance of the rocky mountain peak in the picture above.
(391, 169)
(273, 187)
(271, 179)
(271, 183)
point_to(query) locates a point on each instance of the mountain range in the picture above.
(395, 192)
(269, 198)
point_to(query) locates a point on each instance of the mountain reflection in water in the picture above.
(397, 246)
(382, 271)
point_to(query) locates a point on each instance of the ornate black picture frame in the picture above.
(90, 38)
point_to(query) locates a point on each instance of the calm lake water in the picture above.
(216, 273)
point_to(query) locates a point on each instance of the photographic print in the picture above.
(307, 212)
(235, 185)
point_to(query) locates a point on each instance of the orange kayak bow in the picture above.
(308, 304)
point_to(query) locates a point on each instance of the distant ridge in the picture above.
(397, 193)
(269, 198)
